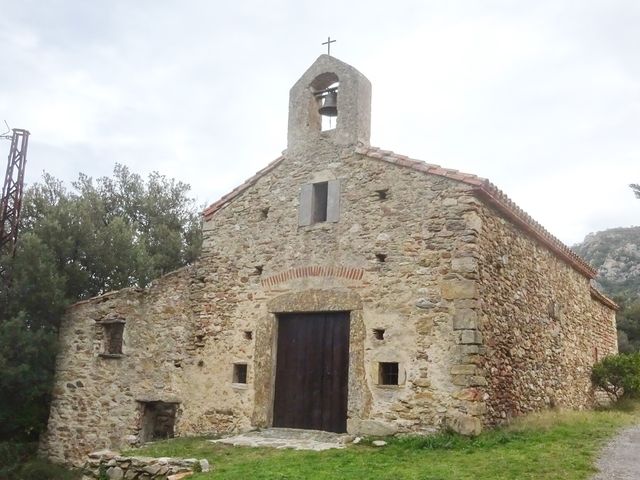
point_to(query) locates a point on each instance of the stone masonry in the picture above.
(486, 314)
(118, 467)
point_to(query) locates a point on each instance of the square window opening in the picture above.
(240, 373)
(388, 373)
(382, 194)
(378, 333)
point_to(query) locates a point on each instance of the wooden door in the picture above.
(312, 371)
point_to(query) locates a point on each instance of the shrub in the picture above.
(18, 462)
(38, 469)
(12, 456)
(618, 375)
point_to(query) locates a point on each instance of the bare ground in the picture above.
(620, 459)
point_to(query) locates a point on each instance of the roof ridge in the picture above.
(602, 298)
(215, 206)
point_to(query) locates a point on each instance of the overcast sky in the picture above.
(541, 97)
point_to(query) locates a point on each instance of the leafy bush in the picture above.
(18, 462)
(38, 469)
(12, 455)
(618, 375)
(77, 243)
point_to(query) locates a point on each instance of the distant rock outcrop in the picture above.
(616, 255)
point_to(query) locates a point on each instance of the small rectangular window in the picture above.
(319, 202)
(113, 336)
(388, 373)
(239, 373)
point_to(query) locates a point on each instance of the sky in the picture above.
(542, 98)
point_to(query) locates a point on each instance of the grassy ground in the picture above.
(553, 445)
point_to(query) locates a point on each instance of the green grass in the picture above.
(552, 445)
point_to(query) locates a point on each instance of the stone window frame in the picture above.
(312, 201)
(107, 349)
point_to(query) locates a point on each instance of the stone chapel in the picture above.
(341, 288)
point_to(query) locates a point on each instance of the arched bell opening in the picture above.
(324, 89)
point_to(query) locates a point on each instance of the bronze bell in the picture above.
(329, 106)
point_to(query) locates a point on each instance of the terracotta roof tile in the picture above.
(214, 207)
(597, 295)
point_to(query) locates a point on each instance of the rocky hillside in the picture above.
(616, 255)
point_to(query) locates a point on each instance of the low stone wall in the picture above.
(117, 467)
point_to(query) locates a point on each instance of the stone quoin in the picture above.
(341, 288)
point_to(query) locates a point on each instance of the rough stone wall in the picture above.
(118, 467)
(184, 334)
(424, 227)
(96, 398)
(541, 328)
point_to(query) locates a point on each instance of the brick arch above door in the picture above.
(347, 273)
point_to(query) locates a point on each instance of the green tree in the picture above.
(618, 375)
(26, 359)
(628, 321)
(75, 243)
(636, 189)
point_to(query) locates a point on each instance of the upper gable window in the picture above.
(319, 202)
(319, 195)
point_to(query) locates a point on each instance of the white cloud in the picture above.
(541, 97)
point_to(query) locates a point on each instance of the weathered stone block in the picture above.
(425, 304)
(115, 473)
(465, 319)
(424, 326)
(204, 465)
(476, 408)
(464, 369)
(474, 222)
(470, 337)
(464, 424)
(469, 380)
(459, 288)
(152, 469)
(464, 264)
(422, 382)
(372, 427)
(468, 394)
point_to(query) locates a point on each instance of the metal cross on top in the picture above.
(328, 44)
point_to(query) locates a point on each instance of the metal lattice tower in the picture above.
(11, 201)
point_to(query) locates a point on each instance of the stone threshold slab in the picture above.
(281, 438)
